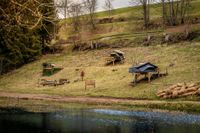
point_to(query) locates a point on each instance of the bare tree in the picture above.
(63, 6)
(33, 8)
(175, 11)
(184, 9)
(109, 7)
(26, 29)
(146, 10)
(75, 12)
(164, 11)
(90, 7)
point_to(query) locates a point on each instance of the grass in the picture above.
(8, 105)
(185, 56)
(133, 23)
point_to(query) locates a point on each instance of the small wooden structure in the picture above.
(90, 83)
(63, 81)
(115, 56)
(144, 69)
(45, 82)
(50, 68)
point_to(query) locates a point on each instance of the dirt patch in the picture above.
(181, 28)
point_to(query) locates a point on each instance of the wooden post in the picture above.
(135, 78)
(145, 75)
(166, 71)
(149, 77)
(91, 45)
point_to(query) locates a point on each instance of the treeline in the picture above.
(79, 12)
(26, 28)
(173, 12)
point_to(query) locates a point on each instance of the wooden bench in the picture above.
(45, 82)
(90, 83)
(63, 81)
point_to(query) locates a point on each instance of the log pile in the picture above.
(180, 90)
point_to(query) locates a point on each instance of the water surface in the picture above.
(99, 121)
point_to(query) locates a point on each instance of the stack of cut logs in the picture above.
(180, 90)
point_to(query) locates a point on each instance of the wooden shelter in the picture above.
(144, 69)
(50, 69)
(115, 56)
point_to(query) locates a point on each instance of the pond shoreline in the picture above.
(54, 103)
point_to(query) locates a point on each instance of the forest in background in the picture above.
(26, 28)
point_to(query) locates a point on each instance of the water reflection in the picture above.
(98, 121)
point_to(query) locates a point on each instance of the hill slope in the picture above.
(184, 56)
(127, 25)
(112, 81)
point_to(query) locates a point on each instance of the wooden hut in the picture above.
(50, 69)
(144, 69)
(115, 56)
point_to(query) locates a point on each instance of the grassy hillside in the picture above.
(132, 23)
(184, 56)
(113, 81)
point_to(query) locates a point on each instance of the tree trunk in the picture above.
(145, 13)
(164, 12)
(1, 66)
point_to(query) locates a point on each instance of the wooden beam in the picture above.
(149, 77)
(135, 78)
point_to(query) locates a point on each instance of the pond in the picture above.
(99, 121)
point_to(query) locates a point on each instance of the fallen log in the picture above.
(188, 94)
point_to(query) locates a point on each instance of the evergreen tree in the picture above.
(26, 27)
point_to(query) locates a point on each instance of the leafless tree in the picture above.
(184, 9)
(146, 10)
(90, 8)
(33, 9)
(163, 11)
(175, 11)
(109, 7)
(63, 6)
(75, 12)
